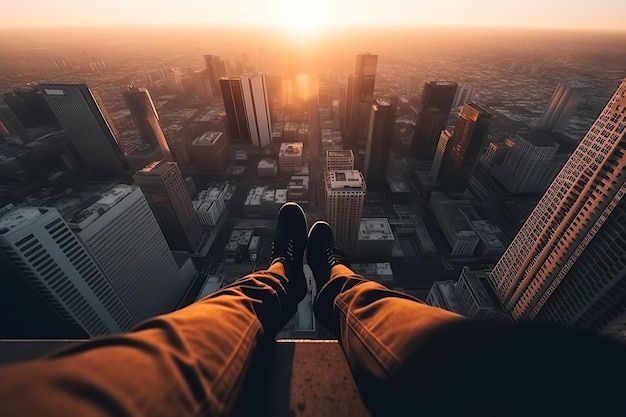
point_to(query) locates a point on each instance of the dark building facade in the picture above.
(146, 119)
(463, 149)
(166, 192)
(235, 107)
(83, 118)
(380, 134)
(437, 101)
(360, 95)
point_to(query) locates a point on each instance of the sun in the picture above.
(302, 18)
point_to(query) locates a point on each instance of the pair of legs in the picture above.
(407, 358)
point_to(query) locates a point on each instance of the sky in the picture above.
(311, 16)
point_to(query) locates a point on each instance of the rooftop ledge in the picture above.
(301, 378)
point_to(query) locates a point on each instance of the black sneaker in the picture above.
(322, 253)
(289, 244)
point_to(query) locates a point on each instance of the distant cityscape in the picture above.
(483, 180)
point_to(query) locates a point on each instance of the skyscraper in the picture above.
(562, 106)
(124, 238)
(82, 117)
(566, 265)
(59, 266)
(462, 149)
(257, 108)
(166, 192)
(381, 128)
(360, 96)
(437, 99)
(146, 119)
(216, 69)
(17, 133)
(345, 195)
(235, 108)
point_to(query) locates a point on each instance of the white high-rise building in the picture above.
(567, 264)
(255, 98)
(345, 195)
(339, 160)
(59, 266)
(124, 237)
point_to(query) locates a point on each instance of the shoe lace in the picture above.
(335, 256)
(283, 248)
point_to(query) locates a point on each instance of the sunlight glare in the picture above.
(302, 18)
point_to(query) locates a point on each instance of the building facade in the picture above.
(379, 137)
(561, 106)
(464, 147)
(83, 118)
(166, 192)
(146, 119)
(339, 160)
(345, 195)
(566, 265)
(61, 268)
(360, 95)
(437, 100)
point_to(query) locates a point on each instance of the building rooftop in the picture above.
(19, 218)
(156, 168)
(207, 139)
(266, 163)
(108, 199)
(291, 149)
(344, 153)
(375, 229)
(341, 180)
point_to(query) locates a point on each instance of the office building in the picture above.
(345, 195)
(529, 165)
(209, 205)
(561, 106)
(462, 96)
(454, 224)
(290, 157)
(257, 108)
(209, 152)
(82, 116)
(235, 108)
(376, 239)
(379, 137)
(339, 160)
(146, 119)
(247, 109)
(16, 132)
(463, 148)
(495, 153)
(360, 95)
(216, 68)
(566, 264)
(437, 100)
(442, 145)
(126, 242)
(41, 245)
(166, 192)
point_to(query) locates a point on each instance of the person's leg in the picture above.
(409, 358)
(189, 362)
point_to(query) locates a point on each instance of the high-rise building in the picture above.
(62, 269)
(16, 132)
(209, 152)
(257, 108)
(345, 195)
(464, 146)
(380, 135)
(83, 118)
(126, 242)
(339, 160)
(442, 145)
(562, 106)
(529, 165)
(235, 108)
(166, 192)
(146, 119)
(216, 69)
(462, 96)
(360, 95)
(247, 108)
(437, 99)
(566, 265)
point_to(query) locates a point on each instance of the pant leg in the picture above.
(189, 362)
(408, 358)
